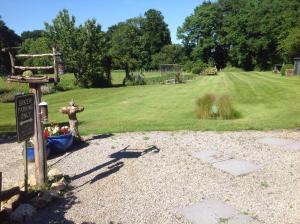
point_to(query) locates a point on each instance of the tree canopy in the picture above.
(244, 33)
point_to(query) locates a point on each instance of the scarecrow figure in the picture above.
(71, 111)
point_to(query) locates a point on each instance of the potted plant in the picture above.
(59, 139)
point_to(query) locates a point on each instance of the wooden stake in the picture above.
(12, 61)
(38, 139)
(25, 169)
(0, 189)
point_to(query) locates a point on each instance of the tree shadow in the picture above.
(113, 165)
(7, 137)
(102, 136)
(66, 154)
(55, 212)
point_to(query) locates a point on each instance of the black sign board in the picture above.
(24, 116)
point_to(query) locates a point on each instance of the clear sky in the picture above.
(23, 15)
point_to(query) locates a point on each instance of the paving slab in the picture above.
(215, 212)
(284, 143)
(236, 167)
(211, 156)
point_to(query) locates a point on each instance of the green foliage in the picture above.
(84, 49)
(285, 67)
(34, 34)
(135, 79)
(133, 43)
(9, 90)
(290, 46)
(169, 54)
(209, 107)
(8, 38)
(228, 31)
(188, 66)
(225, 109)
(199, 67)
(204, 106)
(39, 45)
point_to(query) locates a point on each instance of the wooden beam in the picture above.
(36, 55)
(10, 48)
(7, 194)
(33, 68)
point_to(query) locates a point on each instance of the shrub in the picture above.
(205, 103)
(285, 67)
(208, 107)
(188, 66)
(225, 109)
(199, 67)
(210, 71)
(135, 79)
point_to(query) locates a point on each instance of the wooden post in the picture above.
(38, 139)
(25, 169)
(12, 61)
(0, 189)
(55, 63)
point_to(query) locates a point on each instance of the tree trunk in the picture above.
(127, 72)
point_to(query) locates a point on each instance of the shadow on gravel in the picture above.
(55, 212)
(64, 155)
(115, 164)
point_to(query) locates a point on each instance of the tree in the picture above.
(125, 47)
(83, 48)
(34, 34)
(155, 34)
(8, 38)
(244, 33)
(290, 46)
(37, 46)
(169, 54)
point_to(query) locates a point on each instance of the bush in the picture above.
(205, 104)
(188, 66)
(199, 67)
(285, 67)
(135, 79)
(210, 71)
(225, 109)
(208, 107)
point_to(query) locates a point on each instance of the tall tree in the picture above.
(83, 48)
(125, 45)
(8, 38)
(156, 34)
(245, 33)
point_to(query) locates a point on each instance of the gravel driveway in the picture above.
(147, 177)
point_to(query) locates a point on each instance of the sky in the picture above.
(23, 15)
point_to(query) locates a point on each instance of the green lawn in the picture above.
(264, 100)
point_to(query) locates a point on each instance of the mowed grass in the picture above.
(263, 99)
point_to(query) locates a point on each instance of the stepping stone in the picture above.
(215, 212)
(287, 144)
(236, 167)
(211, 156)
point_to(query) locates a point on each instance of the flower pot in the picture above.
(61, 143)
(30, 152)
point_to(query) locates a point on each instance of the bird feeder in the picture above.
(44, 112)
(71, 111)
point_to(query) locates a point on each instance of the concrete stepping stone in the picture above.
(211, 156)
(215, 212)
(236, 167)
(287, 144)
(226, 162)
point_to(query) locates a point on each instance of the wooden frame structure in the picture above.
(35, 84)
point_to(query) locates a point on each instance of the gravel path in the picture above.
(157, 174)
